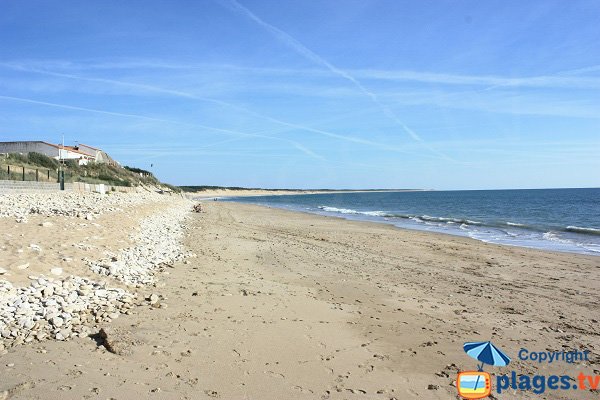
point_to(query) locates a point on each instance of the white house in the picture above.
(82, 153)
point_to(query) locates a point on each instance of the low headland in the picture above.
(206, 192)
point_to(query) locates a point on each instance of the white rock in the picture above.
(35, 247)
(56, 271)
(57, 321)
(153, 299)
(46, 224)
(23, 266)
(2, 271)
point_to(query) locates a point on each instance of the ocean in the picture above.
(566, 220)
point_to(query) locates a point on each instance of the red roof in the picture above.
(68, 148)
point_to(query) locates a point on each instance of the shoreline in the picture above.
(281, 304)
(351, 217)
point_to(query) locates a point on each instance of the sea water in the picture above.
(565, 220)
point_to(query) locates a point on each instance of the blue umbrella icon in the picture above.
(487, 353)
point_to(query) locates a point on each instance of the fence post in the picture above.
(8, 171)
(48, 174)
(23, 173)
(61, 177)
(37, 175)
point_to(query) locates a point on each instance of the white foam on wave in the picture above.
(554, 240)
(579, 229)
(375, 213)
(351, 211)
(449, 220)
(338, 210)
(514, 224)
(553, 237)
(592, 248)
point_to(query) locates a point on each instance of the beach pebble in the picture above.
(153, 299)
(23, 266)
(3, 271)
(47, 224)
(56, 271)
(48, 291)
(57, 321)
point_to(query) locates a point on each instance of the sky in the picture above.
(313, 94)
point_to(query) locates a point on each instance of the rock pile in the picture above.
(59, 309)
(158, 243)
(63, 308)
(83, 205)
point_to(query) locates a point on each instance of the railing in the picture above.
(20, 173)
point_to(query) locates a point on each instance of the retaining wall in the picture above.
(32, 186)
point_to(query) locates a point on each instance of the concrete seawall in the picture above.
(31, 186)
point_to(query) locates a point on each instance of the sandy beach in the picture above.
(220, 193)
(263, 303)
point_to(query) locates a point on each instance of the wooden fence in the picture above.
(20, 173)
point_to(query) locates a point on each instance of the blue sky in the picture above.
(311, 94)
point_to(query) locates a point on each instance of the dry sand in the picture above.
(284, 305)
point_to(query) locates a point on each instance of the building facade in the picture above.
(82, 153)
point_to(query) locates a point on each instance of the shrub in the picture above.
(138, 170)
(18, 157)
(72, 164)
(42, 160)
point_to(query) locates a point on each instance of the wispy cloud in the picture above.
(178, 93)
(238, 134)
(312, 56)
(562, 79)
(558, 80)
(69, 107)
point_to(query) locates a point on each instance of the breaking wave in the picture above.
(588, 231)
(549, 233)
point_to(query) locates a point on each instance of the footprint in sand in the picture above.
(274, 374)
(356, 391)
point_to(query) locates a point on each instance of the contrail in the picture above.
(312, 56)
(144, 117)
(179, 93)
(68, 107)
